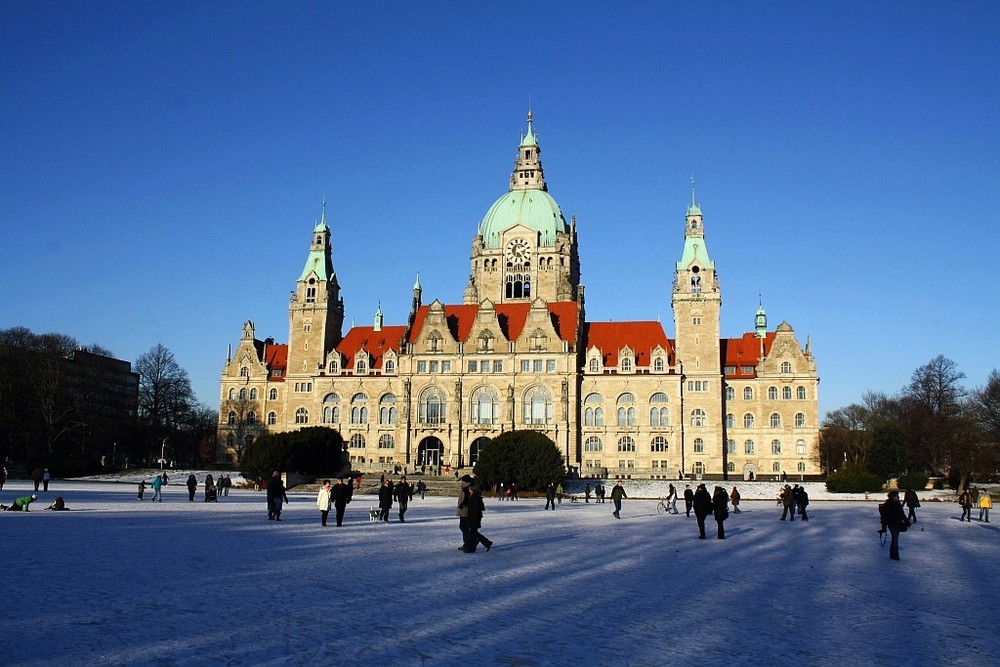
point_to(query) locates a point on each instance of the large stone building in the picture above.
(620, 399)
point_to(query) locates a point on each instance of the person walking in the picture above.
(617, 493)
(550, 496)
(894, 520)
(559, 493)
(965, 500)
(422, 488)
(276, 496)
(323, 502)
(912, 503)
(384, 500)
(340, 495)
(476, 509)
(142, 488)
(720, 502)
(688, 499)
(192, 486)
(985, 505)
(46, 478)
(157, 488)
(599, 492)
(36, 477)
(787, 503)
(211, 494)
(404, 494)
(463, 509)
(702, 508)
(802, 501)
(586, 492)
(734, 498)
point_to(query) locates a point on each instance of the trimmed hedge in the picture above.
(854, 478)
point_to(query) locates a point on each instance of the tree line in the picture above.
(933, 425)
(76, 409)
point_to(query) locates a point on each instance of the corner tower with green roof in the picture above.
(697, 306)
(315, 308)
(524, 248)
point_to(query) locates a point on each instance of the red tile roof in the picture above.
(745, 351)
(641, 337)
(275, 358)
(511, 317)
(375, 343)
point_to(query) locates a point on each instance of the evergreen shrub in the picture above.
(913, 480)
(528, 458)
(854, 478)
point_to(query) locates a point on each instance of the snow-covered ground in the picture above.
(117, 582)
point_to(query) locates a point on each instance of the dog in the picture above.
(373, 514)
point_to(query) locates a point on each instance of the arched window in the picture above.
(800, 420)
(786, 367)
(800, 392)
(272, 394)
(659, 444)
(593, 413)
(626, 410)
(748, 420)
(389, 367)
(243, 394)
(658, 364)
(772, 393)
(361, 367)
(593, 444)
(776, 446)
(748, 447)
(626, 365)
(698, 417)
(272, 418)
(485, 406)
(387, 410)
(232, 393)
(626, 444)
(747, 393)
(698, 468)
(247, 440)
(776, 466)
(386, 441)
(786, 393)
(730, 394)
(301, 416)
(658, 416)
(699, 446)
(433, 407)
(595, 366)
(359, 409)
(357, 441)
(730, 446)
(332, 367)
(251, 417)
(537, 408)
(231, 420)
(800, 446)
(775, 420)
(244, 372)
(730, 420)
(253, 394)
(331, 409)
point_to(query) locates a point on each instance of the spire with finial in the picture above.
(528, 173)
(378, 317)
(760, 320)
(693, 209)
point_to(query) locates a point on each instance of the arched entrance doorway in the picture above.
(749, 472)
(430, 452)
(474, 449)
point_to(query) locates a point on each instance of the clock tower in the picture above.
(524, 248)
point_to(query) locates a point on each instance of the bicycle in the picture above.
(666, 505)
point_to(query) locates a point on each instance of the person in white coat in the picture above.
(323, 501)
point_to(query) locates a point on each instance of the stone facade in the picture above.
(619, 399)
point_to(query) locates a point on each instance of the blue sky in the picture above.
(163, 165)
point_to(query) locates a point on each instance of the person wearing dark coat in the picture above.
(702, 504)
(192, 485)
(403, 493)
(476, 509)
(276, 496)
(720, 502)
(550, 496)
(912, 503)
(688, 499)
(802, 501)
(788, 502)
(340, 495)
(385, 499)
(893, 519)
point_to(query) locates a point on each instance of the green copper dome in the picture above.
(533, 208)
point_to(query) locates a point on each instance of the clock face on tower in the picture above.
(518, 251)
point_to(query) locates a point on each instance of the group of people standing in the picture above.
(975, 497)
(401, 492)
(792, 499)
(336, 496)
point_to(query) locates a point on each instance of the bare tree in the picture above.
(165, 396)
(241, 425)
(934, 400)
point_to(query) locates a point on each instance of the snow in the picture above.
(115, 581)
